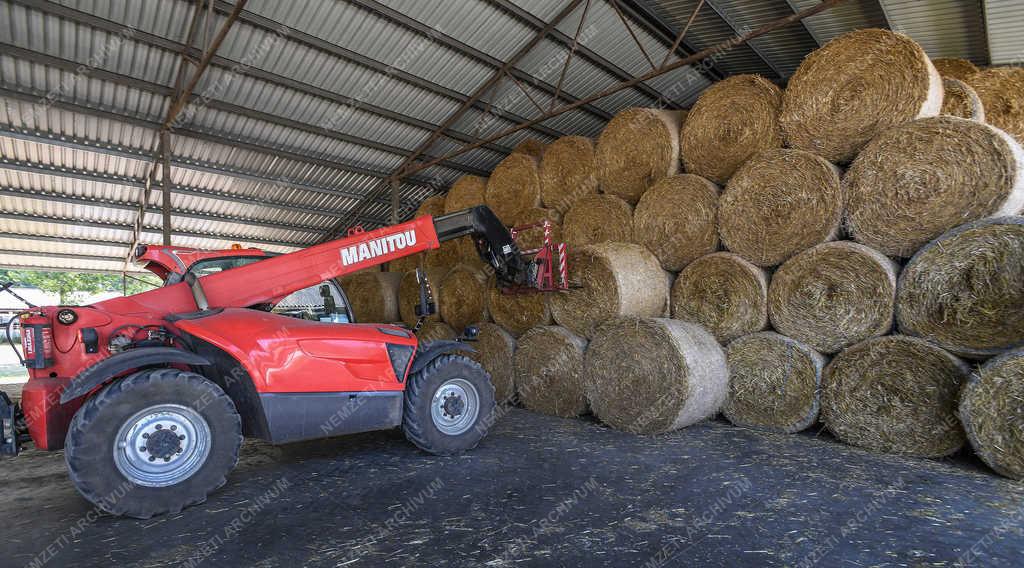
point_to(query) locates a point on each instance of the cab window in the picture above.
(214, 265)
(323, 302)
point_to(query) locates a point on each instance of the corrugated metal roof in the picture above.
(944, 28)
(1005, 20)
(309, 106)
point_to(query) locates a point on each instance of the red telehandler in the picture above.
(154, 392)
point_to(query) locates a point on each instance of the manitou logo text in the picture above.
(377, 247)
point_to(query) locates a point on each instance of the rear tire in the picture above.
(449, 405)
(154, 442)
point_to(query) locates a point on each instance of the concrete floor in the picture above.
(542, 491)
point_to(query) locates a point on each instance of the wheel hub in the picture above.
(455, 406)
(162, 445)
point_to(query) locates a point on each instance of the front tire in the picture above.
(449, 405)
(154, 442)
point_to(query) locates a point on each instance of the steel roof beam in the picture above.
(663, 31)
(183, 213)
(604, 64)
(127, 227)
(146, 86)
(152, 40)
(401, 19)
(41, 254)
(190, 164)
(736, 31)
(35, 98)
(335, 50)
(68, 240)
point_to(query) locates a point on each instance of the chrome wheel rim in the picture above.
(162, 445)
(455, 406)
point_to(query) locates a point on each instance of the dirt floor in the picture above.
(542, 491)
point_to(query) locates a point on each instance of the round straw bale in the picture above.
(549, 371)
(724, 293)
(517, 313)
(1001, 90)
(954, 68)
(653, 375)
(597, 219)
(895, 394)
(916, 181)
(467, 191)
(731, 121)
(637, 147)
(779, 203)
(494, 350)
(435, 331)
(447, 256)
(965, 290)
(990, 411)
(406, 263)
(833, 295)
(531, 147)
(855, 87)
(432, 206)
(514, 186)
(534, 238)
(962, 101)
(373, 296)
(463, 297)
(677, 220)
(773, 383)
(567, 172)
(409, 293)
(612, 279)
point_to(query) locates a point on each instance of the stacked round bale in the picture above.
(773, 383)
(567, 172)
(779, 203)
(462, 299)
(854, 88)
(598, 218)
(918, 180)
(610, 280)
(954, 68)
(725, 294)
(654, 375)
(677, 220)
(833, 296)
(637, 147)
(990, 411)
(965, 290)
(373, 296)
(895, 394)
(549, 371)
(514, 187)
(731, 121)
(962, 101)
(1000, 90)
(494, 349)
(517, 312)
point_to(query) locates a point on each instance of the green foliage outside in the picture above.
(66, 284)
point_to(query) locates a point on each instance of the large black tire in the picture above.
(92, 438)
(419, 425)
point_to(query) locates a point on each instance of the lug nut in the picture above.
(145, 435)
(173, 427)
(142, 449)
(159, 426)
(152, 458)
